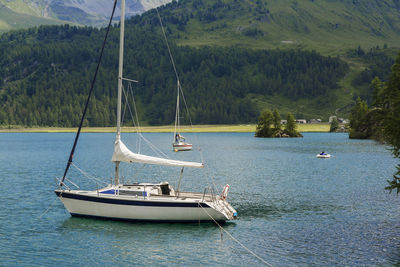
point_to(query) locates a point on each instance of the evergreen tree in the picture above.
(391, 120)
(265, 120)
(334, 125)
(290, 128)
(359, 128)
(277, 120)
(382, 121)
(377, 88)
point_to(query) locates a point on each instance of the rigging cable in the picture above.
(88, 99)
(153, 147)
(137, 117)
(234, 239)
(180, 89)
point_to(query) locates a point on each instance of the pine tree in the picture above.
(359, 128)
(334, 125)
(265, 120)
(391, 120)
(277, 120)
(291, 125)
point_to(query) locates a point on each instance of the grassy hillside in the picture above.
(45, 74)
(82, 12)
(329, 26)
(229, 81)
(10, 20)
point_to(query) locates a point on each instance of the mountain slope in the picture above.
(330, 26)
(83, 12)
(10, 20)
(45, 74)
(46, 70)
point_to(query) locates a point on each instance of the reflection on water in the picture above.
(294, 209)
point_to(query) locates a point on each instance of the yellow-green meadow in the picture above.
(241, 128)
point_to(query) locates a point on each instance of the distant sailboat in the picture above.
(179, 143)
(159, 201)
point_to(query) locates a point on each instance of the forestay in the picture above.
(122, 153)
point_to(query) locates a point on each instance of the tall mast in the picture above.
(120, 70)
(177, 112)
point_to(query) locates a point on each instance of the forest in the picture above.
(45, 76)
(378, 61)
(380, 120)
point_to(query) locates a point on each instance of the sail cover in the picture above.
(122, 153)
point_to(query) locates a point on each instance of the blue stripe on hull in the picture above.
(142, 220)
(130, 202)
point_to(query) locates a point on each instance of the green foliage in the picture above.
(395, 183)
(45, 75)
(391, 120)
(269, 125)
(391, 100)
(290, 128)
(358, 121)
(378, 62)
(282, 24)
(277, 120)
(334, 125)
(265, 120)
(382, 120)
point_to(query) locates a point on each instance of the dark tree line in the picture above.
(381, 120)
(45, 75)
(378, 62)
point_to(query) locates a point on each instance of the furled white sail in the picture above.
(122, 153)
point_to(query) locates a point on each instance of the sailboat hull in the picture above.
(182, 146)
(89, 204)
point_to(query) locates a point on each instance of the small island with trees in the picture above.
(269, 125)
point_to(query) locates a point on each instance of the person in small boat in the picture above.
(322, 153)
(177, 138)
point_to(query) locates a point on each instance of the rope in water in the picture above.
(234, 239)
(47, 209)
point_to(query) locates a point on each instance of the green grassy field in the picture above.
(10, 20)
(330, 27)
(243, 128)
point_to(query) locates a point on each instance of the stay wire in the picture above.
(153, 147)
(180, 89)
(136, 116)
(89, 176)
(88, 98)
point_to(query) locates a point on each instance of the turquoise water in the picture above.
(294, 209)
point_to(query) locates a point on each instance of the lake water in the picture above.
(294, 209)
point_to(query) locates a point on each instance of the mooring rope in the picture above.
(47, 209)
(234, 239)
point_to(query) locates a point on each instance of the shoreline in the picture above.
(241, 128)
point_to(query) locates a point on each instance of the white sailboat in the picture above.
(179, 143)
(142, 201)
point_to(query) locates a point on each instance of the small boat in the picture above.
(323, 155)
(179, 143)
(158, 202)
